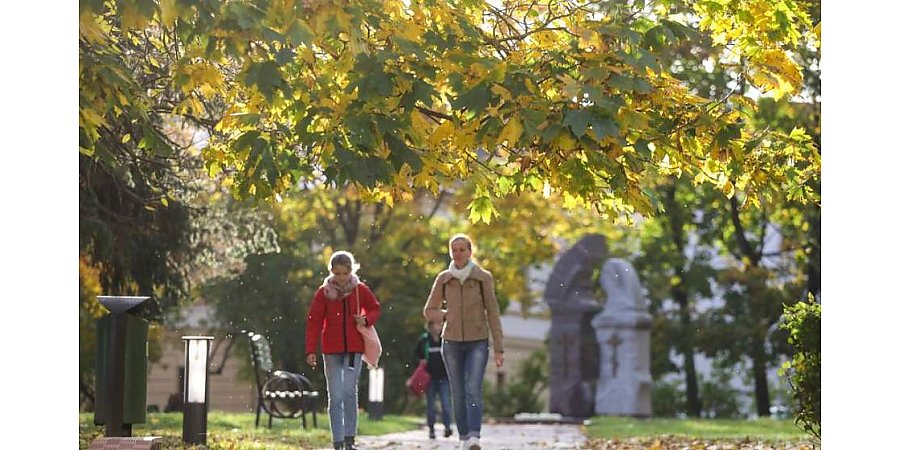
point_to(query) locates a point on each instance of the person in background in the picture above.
(429, 349)
(333, 318)
(472, 312)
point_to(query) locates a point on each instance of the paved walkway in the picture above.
(493, 437)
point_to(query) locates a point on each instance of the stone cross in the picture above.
(625, 385)
(614, 342)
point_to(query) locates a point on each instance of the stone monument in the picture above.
(573, 347)
(623, 334)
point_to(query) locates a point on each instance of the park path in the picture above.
(531, 436)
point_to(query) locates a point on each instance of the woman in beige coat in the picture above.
(471, 315)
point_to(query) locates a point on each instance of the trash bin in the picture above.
(121, 381)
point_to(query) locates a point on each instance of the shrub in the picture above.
(804, 323)
(668, 398)
(720, 399)
(522, 393)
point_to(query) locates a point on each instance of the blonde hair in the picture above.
(456, 237)
(343, 258)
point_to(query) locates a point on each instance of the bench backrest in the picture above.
(261, 351)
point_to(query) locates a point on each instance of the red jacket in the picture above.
(333, 321)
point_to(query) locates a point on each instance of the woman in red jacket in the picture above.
(338, 305)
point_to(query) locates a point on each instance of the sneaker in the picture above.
(447, 432)
(474, 444)
(431, 433)
(464, 444)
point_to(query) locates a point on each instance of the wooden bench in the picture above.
(281, 394)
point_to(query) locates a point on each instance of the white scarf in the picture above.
(334, 291)
(461, 274)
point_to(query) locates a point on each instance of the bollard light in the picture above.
(196, 388)
(376, 393)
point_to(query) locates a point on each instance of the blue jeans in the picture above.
(437, 388)
(341, 381)
(466, 362)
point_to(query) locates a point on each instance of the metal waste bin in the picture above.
(121, 382)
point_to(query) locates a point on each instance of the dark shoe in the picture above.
(447, 431)
(431, 433)
(338, 446)
(348, 443)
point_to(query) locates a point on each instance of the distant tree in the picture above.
(675, 266)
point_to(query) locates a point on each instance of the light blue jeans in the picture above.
(342, 381)
(466, 363)
(437, 388)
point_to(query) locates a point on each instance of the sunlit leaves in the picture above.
(763, 33)
(396, 96)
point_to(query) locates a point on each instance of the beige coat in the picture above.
(472, 308)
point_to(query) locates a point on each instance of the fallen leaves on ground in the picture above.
(688, 443)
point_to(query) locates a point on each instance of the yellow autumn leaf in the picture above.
(169, 11)
(89, 29)
(566, 141)
(442, 132)
(632, 120)
(511, 132)
(421, 127)
(410, 31)
(132, 19)
(465, 138)
(728, 189)
(818, 31)
(502, 92)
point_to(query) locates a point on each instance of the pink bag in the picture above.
(419, 380)
(371, 342)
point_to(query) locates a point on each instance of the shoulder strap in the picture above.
(481, 286)
(358, 302)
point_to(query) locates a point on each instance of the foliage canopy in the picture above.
(573, 97)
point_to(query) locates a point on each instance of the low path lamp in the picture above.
(196, 388)
(376, 393)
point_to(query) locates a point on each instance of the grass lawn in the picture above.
(236, 431)
(666, 433)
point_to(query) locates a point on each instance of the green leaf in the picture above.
(402, 154)
(247, 14)
(505, 184)
(284, 56)
(474, 99)
(372, 81)
(728, 133)
(596, 73)
(300, 33)
(533, 119)
(481, 209)
(577, 120)
(146, 7)
(272, 35)
(624, 83)
(604, 127)
(643, 149)
(366, 170)
(265, 76)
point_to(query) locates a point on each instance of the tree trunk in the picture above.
(687, 349)
(760, 380)
(677, 221)
(814, 252)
